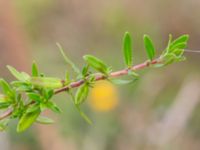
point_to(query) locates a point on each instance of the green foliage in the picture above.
(149, 47)
(81, 94)
(20, 76)
(27, 120)
(97, 64)
(68, 61)
(6, 88)
(122, 82)
(28, 96)
(174, 50)
(35, 70)
(127, 49)
(46, 82)
(44, 120)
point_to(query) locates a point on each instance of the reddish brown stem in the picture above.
(6, 114)
(102, 77)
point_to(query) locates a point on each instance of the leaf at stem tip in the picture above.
(182, 39)
(35, 70)
(68, 61)
(149, 47)
(127, 49)
(96, 63)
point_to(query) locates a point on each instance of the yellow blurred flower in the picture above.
(103, 96)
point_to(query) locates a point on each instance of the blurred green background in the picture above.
(161, 111)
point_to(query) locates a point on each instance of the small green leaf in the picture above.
(4, 105)
(85, 70)
(127, 49)
(44, 120)
(27, 120)
(158, 65)
(21, 86)
(24, 88)
(34, 96)
(178, 52)
(48, 93)
(68, 61)
(35, 72)
(53, 107)
(3, 98)
(15, 73)
(2, 127)
(132, 73)
(43, 107)
(121, 82)
(96, 63)
(149, 47)
(67, 76)
(81, 94)
(18, 83)
(4, 124)
(33, 108)
(169, 58)
(25, 76)
(178, 46)
(83, 115)
(91, 78)
(181, 39)
(46, 82)
(6, 87)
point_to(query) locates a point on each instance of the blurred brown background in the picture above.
(159, 112)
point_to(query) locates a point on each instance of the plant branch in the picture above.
(7, 113)
(97, 77)
(112, 75)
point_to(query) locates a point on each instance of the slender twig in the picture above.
(112, 75)
(7, 113)
(97, 78)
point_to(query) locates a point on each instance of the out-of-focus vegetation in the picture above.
(159, 111)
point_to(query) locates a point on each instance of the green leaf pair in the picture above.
(127, 49)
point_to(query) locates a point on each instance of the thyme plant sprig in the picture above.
(29, 95)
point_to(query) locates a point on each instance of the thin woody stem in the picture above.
(7, 113)
(98, 77)
(102, 77)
